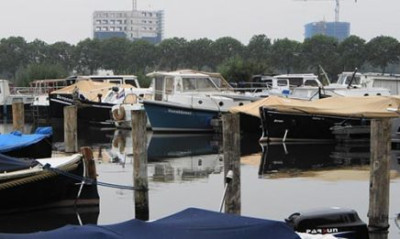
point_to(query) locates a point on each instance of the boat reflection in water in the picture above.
(173, 157)
(43, 220)
(292, 158)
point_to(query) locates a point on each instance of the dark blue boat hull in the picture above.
(175, 118)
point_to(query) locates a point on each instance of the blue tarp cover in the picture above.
(16, 140)
(191, 223)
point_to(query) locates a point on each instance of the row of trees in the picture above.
(24, 61)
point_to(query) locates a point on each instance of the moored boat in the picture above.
(29, 184)
(36, 145)
(294, 120)
(189, 101)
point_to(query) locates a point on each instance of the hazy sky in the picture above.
(71, 20)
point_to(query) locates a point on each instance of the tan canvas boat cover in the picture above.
(362, 106)
(90, 89)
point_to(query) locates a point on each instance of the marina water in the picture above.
(186, 170)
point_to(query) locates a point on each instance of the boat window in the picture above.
(115, 81)
(296, 81)
(189, 84)
(311, 83)
(131, 82)
(205, 84)
(169, 86)
(282, 82)
(158, 87)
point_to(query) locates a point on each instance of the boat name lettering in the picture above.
(322, 230)
(181, 112)
(64, 98)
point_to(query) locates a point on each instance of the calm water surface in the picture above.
(187, 171)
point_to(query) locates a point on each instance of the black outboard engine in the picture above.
(340, 222)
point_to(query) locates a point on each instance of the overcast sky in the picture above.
(71, 20)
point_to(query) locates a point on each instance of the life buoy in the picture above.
(119, 114)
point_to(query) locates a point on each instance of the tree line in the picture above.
(23, 61)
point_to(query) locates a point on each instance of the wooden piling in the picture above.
(18, 116)
(71, 129)
(379, 175)
(231, 144)
(89, 162)
(139, 141)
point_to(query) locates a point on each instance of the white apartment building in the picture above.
(133, 25)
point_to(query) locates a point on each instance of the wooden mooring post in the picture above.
(378, 212)
(139, 141)
(71, 129)
(18, 116)
(231, 144)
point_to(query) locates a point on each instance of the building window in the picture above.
(104, 29)
(104, 21)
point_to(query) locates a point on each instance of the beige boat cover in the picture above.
(362, 106)
(90, 89)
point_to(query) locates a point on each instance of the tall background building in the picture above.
(133, 25)
(338, 30)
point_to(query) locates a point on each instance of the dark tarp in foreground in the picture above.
(188, 224)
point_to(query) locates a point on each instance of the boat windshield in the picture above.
(345, 79)
(198, 84)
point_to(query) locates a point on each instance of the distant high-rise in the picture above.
(338, 30)
(133, 25)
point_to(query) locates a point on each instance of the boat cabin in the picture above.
(166, 84)
(389, 81)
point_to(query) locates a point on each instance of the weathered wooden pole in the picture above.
(378, 212)
(87, 154)
(139, 141)
(18, 116)
(231, 144)
(71, 129)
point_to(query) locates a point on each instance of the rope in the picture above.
(34, 178)
(89, 181)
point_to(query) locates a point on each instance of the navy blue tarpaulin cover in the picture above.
(191, 223)
(10, 164)
(16, 140)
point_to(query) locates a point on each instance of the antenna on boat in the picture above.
(352, 78)
(228, 179)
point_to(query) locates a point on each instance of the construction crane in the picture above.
(337, 8)
(134, 5)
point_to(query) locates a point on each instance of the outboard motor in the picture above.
(340, 222)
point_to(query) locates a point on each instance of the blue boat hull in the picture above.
(167, 117)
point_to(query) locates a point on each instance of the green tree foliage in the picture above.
(19, 59)
(198, 54)
(12, 55)
(86, 55)
(171, 52)
(141, 55)
(382, 51)
(258, 53)
(285, 55)
(114, 55)
(321, 51)
(25, 75)
(352, 53)
(61, 53)
(225, 48)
